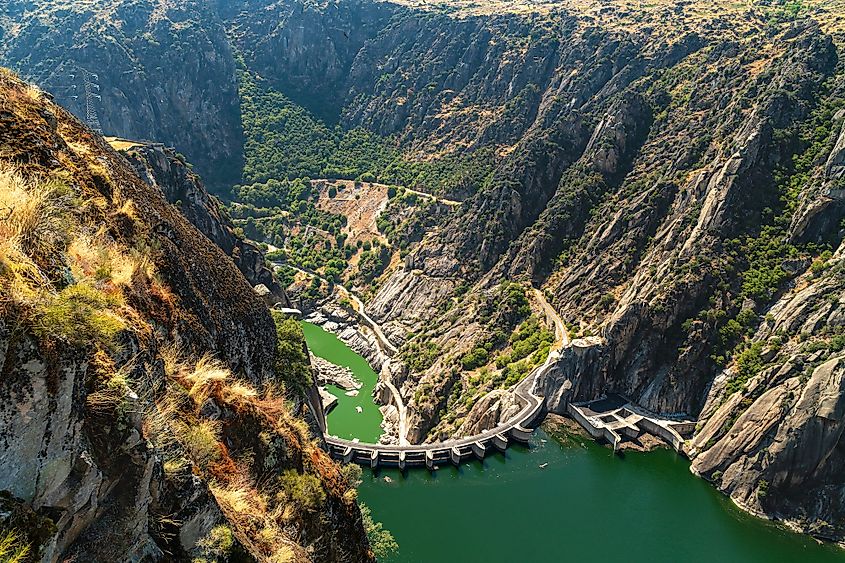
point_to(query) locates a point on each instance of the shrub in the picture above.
(748, 364)
(514, 300)
(762, 488)
(607, 301)
(13, 548)
(218, 543)
(201, 441)
(305, 491)
(110, 397)
(747, 318)
(352, 473)
(81, 315)
(475, 359)
(420, 355)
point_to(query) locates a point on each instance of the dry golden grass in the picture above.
(112, 385)
(248, 512)
(97, 258)
(201, 439)
(34, 93)
(42, 243)
(175, 426)
(207, 378)
(119, 144)
(210, 378)
(34, 215)
(129, 209)
(35, 225)
(13, 547)
(172, 358)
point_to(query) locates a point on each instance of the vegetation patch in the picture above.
(292, 363)
(81, 315)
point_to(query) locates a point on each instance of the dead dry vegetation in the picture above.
(67, 282)
(742, 15)
(186, 423)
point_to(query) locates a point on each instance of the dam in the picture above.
(517, 429)
(614, 504)
(431, 456)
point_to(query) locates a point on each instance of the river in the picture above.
(562, 498)
(344, 421)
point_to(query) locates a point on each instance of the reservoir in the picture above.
(344, 420)
(563, 498)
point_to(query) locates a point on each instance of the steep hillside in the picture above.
(667, 177)
(163, 169)
(152, 408)
(153, 69)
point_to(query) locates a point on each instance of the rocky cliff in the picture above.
(146, 411)
(163, 169)
(149, 70)
(780, 435)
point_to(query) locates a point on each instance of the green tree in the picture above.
(292, 365)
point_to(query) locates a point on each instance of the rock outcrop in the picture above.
(774, 446)
(332, 374)
(162, 169)
(139, 369)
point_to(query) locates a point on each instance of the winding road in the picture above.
(561, 334)
(449, 202)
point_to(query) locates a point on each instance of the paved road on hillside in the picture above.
(561, 334)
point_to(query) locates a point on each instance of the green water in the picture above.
(586, 504)
(344, 421)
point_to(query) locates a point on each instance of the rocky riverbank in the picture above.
(345, 326)
(333, 374)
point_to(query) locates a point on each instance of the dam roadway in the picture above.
(518, 428)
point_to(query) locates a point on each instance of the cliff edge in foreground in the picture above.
(146, 390)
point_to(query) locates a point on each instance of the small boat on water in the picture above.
(387, 479)
(543, 465)
(359, 410)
